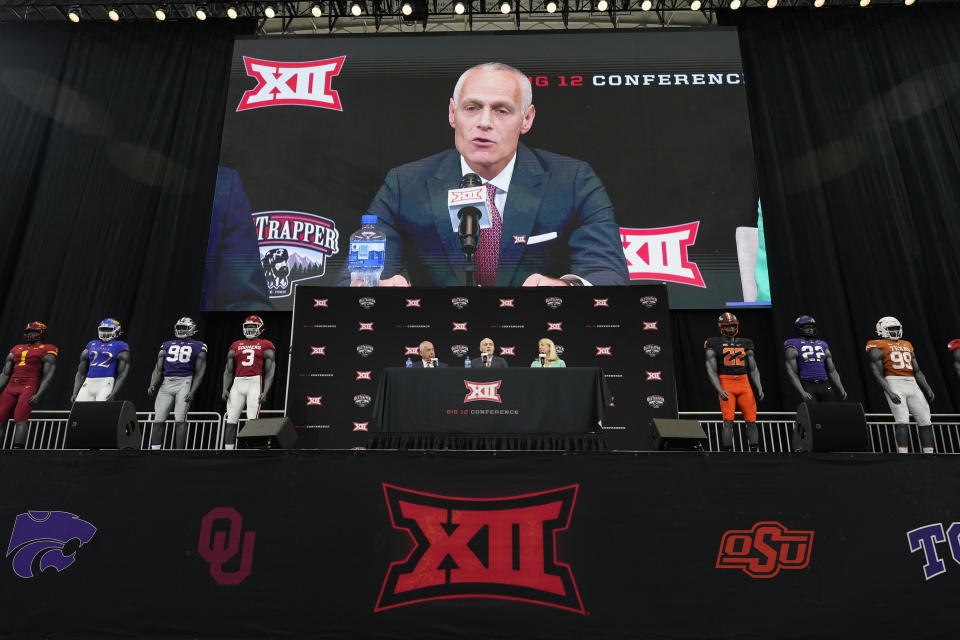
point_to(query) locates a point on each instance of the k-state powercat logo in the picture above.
(305, 84)
(45, 539)
(481, 548)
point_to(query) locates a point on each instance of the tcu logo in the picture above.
(652, 350)
(486, 391)
(292, 83)
(360, 426)
(506, 302)
(318, 351)
(554, 326)
(650, 326)
(604, 351)
(447, 562)
(362, 400)
(411, 351)
(765, 549)
(601, 302)
(218, 547)
(365, 326)
(364, 375)
(507, 351)
(925, 539)
(367, 303)
(654, 375)
(320, 302)
(414, 302)
(314, 401)
(459, 326)
(656, 401)
(661, 254)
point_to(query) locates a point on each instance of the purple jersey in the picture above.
(811, 355)
(103, 357)
(180, 357)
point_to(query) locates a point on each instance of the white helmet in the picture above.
(184, 328)
(889, 327)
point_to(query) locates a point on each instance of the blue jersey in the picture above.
(811, 356)
(103, 357)
(180, 357)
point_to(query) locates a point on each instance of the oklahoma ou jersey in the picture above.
(897, 356)
(731, 354)
(28, 360)
(103, 357)
(249, 356)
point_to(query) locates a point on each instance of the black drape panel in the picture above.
(855, 117)
(109, 139)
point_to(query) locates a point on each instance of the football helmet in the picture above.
(108, 329)
(806, 326)
(252, 327)
(729, 325)
(954, 344)
(34, 332)
(185, 328)
(889, 327)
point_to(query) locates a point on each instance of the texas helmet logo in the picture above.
(764, 549)
(413, 302)
(604, 351)
(486, 391)
(661, 253)
(554, 326)
(411, 351)
(364, 350)
(305, 84)
(42, 539)
(652, 350)
(468, 548)
(654, 375)
(365, 326)
(364, 375)
(507, 351)
(656, 401)
(601, 302)
(318, 351)
(506, 302)
(649, 302)
(360, 426)
(459, 326)
(459, 350)
(553, 302)
(460, 302)
(650, 326)
(294, 246)
(362, 400)
(314, 401)
(320, 302)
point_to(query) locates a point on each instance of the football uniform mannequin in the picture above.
(247, 377)
(181, 363)
(954, 347)
(810, 365)
(895, 367)
(104, 364)
(730, 368)
(28, 368)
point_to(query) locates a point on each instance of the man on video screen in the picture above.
(551, 221)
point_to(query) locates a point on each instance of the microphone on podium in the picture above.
(467, 197)
(433, 363)
(543, 359)
(484, 358)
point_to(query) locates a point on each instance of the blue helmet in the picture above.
(806, 326)
(108, 329)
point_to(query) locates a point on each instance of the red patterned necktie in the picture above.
(488, 253)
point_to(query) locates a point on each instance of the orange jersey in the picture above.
(28, 360)
(897, 356)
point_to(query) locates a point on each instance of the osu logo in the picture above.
(292, 83)
(217, 546)
(507, 351)
(604, 351)
(45, 539)
(414, 302)
(506, 302)
(318, 351)
(469, 548)
(765, 549)
(482, 391)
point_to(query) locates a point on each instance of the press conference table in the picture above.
(512, 401)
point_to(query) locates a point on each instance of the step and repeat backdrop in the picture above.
(314, 126)
(343, 338)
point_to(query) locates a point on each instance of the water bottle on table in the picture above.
(466, 362)
(368, 249)
(409, 363)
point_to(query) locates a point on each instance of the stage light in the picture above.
(771, 4)
(201, 12)
(602, 5)
(232, 13)
(74, 14)
(864, 3)
(734, 4)
(505, 8)
(646, 5)
(406, 9)
(908, 2)
(551, 7)
(316, 10)
(113, 14)
(818, 3)
(459, 8)
(269, 11)
(356, 9)
(695, 5)
(160, 14)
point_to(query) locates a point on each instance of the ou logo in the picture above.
(218, 547)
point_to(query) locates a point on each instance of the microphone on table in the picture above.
(433, 363)
(543, 359)
(484, 357)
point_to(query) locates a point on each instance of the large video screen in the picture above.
(634, 164)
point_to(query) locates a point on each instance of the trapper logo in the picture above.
(481, 548)
(604, 351)
(366, 302)
(294, 246)
(656, 401)
(554, 326)
(507, 302)
(414, 302)
(652, 350)
(318, 351)
(661, 253)
(411, 351)
(320, 302)
(44, 539)
(362, 400)
(765, 549)
(364, 350)
(553, 302)
(217, 546)
(314, 401)
(486, 391)
(459, 326)
(306, 84)
(507, 351)
(460, 302)
(601, 302)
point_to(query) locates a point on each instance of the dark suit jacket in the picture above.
(496, 363)
(418, 364)
(548, 193)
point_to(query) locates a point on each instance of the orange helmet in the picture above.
(728, 323)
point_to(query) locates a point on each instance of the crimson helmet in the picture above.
(954, 344)
(252, 327)
(34, 332)
(728, 323)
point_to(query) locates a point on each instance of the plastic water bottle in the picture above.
(466, 361)
(409, 362)
(368, 248)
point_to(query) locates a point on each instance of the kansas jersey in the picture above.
(28, 360)
(249, 356)
(180, 357)
(103, 357)
(897, 356)
(731, 354)
(811, 356)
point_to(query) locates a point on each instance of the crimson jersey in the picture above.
(28, 360)
(249, 356)
(897, 356)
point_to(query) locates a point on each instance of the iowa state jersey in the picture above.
(103, 357)
(897, 356)
(731, 354)
(28, 359)
(180, 357)
(248, 355)
(811, 356)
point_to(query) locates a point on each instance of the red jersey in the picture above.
(249, 356)
(897, 356)
(28, 360)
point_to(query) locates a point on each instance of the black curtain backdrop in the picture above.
(855, 117)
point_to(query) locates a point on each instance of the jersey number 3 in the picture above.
(248, 357)
(733, 356)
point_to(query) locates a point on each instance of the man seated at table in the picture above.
(487, 360)
(428, 357)
(548, 355)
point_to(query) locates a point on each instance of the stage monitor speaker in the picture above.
(678, 435)
(830, 426)
(267, 433)
(103, 425)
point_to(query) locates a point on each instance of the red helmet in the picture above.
(954, 344)
(38, 329)
(252, 327)
(728, 323)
